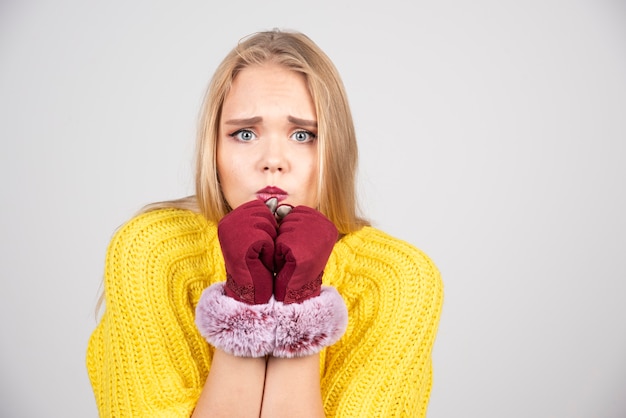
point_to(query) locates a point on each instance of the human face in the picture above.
(267, 145)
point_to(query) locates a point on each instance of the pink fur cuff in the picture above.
(306, 328)
(235, 327)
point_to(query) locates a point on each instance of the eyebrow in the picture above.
(257, 119)
(303, 122)
(245, 121)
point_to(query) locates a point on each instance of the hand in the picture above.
(279, 211)
(305, 241)
(247, 237)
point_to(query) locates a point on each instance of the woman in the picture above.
(265, 294)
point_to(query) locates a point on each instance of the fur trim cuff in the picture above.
(235, 327)
(306, 328)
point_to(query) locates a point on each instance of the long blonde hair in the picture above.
(337, 146)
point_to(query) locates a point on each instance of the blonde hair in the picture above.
(337, 146)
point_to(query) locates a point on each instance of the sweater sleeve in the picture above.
(145, 358)
(382, 366)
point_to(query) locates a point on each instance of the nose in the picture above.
(273, 165)
(274, 159)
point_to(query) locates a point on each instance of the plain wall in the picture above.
(492, 136)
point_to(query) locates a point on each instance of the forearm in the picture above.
(292, 388)
(234, 387)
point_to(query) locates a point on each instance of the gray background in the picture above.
(492, 136)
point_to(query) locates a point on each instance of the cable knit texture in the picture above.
(146, 357)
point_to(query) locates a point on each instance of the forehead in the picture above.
(269, 85)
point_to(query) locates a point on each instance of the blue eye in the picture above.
(303, 136)
(243, 135)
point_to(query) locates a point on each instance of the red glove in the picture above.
(238, 317)
(247, 236)
(305, 241)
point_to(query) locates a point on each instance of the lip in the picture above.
(271, 191)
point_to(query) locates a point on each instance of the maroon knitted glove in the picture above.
(247, 239)
(305, 240)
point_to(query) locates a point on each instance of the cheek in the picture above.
(313, 168)
(229, 185)
(310, 177)
(226, 171)
(226, 159)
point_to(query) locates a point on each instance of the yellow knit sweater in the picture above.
(147, 359)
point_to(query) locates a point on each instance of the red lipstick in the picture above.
(271, 191)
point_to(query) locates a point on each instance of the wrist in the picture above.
(238, 328)
(303, 329)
